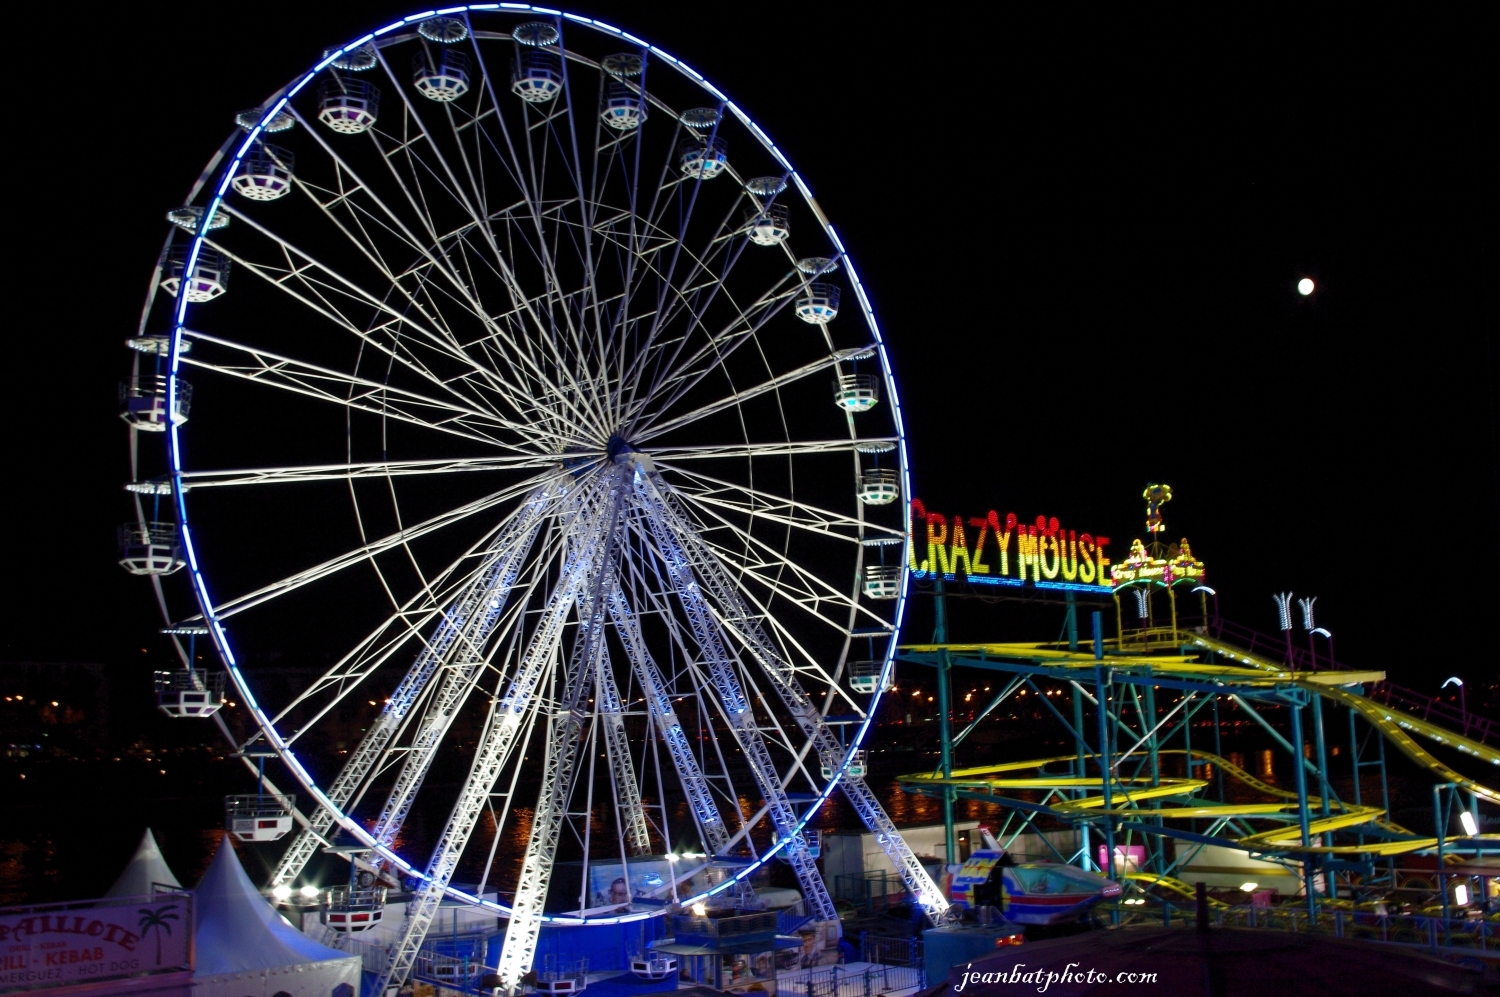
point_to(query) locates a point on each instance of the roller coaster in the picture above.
(1137, 784)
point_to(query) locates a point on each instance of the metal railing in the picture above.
(1459, 720)
(851, 981)
(1400, 929)
(1433, 933)
(373, 955)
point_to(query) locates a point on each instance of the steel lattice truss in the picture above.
(527, 468)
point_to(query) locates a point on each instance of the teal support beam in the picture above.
(1106, 763)
(1296, 753)
(1302, 818)
(945, 715)
(1323, 793)
(1072, 622)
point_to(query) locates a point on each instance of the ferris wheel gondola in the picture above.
(520, 424)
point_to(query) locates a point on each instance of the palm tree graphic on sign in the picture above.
(155, 921)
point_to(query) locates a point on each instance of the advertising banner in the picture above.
(53, 944)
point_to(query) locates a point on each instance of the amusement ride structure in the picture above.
(531, 387)
(546, 413)
(1148, 790)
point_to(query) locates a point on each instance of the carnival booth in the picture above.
(246, 949)
(146, 873)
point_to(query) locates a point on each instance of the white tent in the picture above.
(146, 873)
(246, 949)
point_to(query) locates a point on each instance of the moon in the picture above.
(1305, 286)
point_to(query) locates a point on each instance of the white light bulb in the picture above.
(1467, 820)
(282, 891)
(309, 891)
(1249, 887)
(1460, 895)
(1305, 286)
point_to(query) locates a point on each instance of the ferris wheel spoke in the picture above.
(672, 455)
(363, 553)
(430, 249)
(252, 476)
(683, 562)
(761, 504)
(752, 318)
(301, 266)
(783, 678)
(650, 594)
(594, 539)
(654, 425)
(659, 705)
(630, 814)
(361, 763)
(811, 594)
(670, 368)
(496, 262)
(308, 378)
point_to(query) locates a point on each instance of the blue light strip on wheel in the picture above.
(174, 446)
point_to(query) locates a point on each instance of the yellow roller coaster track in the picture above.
(1175, 885)
(1284, 837)
(1254, 671)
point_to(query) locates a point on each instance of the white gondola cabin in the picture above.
(856, 392)
(189, 692)
(703, 158)
(143, 402)
(769, 227)
(879, 486)
(536, 75)
(265, 173)
(347, 105)
(818, 303)
(346, 909)
(258, 816)
(883, 581)
(209, 279)
(857, 767)
(150, 548)
(624, 107)
(864, 676)
(442, 75)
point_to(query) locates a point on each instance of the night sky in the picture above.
(1082, 238)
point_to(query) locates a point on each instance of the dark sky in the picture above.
(1081, 236)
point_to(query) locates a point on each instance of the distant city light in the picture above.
(1305, 286)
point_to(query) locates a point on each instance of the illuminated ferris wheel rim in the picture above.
(210, 618)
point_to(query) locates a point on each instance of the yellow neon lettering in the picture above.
(1048, 539)
(937, 553)
(979, 567)
(1069, 557)
(1002, 538)
(916, 512)
(1026, 553)
(959, 547)
(1086, 558)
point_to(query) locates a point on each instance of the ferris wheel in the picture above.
(542, 431)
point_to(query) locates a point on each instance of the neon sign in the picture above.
(1006, 552)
